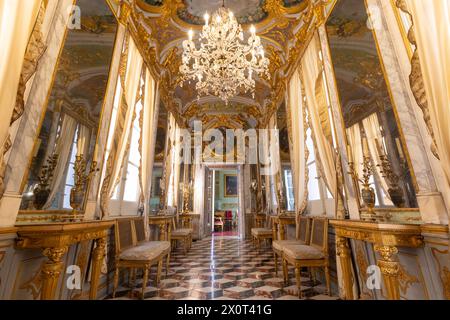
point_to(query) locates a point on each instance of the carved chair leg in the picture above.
(158, 273)
(314, 276)
(298, 279)
(275, 259)
(168, 264)
(285, 271)
(116, 282)
(327, 278)
(145, 280)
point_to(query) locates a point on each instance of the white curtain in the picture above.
(62, 149)
(126, 114)
(432, 32)
(84, 138)
(298, 145)
(170, 163)
(149, 122)
(312, 67)
(373, 133)
(17, 19)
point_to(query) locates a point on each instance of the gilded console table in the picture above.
(54, 239)
(279, 224)
(164, 223)
(386, 238)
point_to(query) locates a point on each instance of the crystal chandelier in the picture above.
(224, 64)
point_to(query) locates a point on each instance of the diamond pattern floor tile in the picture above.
(224, 269)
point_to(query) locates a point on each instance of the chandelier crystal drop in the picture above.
(224, 65)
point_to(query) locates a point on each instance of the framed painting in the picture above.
(231, 186)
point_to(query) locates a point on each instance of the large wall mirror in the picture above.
(58, 176)
(288, 202)
(368, 110)
(157, 192)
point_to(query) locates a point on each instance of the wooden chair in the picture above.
(134, 254)
(262, 231)
(219, 220)
(313, 255)
(304, 226)
(183, 234)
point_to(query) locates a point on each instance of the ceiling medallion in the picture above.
(224, 65)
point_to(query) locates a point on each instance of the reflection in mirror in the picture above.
(61, 165)
(286, 183)
(160, 146)
(374, 138)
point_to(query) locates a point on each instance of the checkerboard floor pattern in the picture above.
(223, 269)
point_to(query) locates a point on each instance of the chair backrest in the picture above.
(171, 211)
(186, 221)
(304, 229)
(260, 220)
(124, 234)
(319, 234)
(139, 227)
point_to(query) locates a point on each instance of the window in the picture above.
(70, 179)
(125, 199)
(313, 178)
(131, 190)
(289, 190)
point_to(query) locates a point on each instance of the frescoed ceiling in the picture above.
(283, 25)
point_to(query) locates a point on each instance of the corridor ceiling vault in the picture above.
(160, 27)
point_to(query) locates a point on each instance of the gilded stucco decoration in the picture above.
(284, 27)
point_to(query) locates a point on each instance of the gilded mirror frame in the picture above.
(66, 212)
(405, 150)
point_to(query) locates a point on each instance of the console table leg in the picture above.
(97, 257)
(389, 269)
(51, 271)
(344, 254)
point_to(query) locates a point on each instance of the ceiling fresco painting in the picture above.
(283, 25)
(247, 11)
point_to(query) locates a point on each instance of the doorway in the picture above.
(225, 204)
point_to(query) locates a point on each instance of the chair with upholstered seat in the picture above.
(303, 238)
(314, 255)
(183, 234)
(262, 231)
(134, 254)
(219, 220)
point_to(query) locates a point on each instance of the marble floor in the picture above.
(224, 268)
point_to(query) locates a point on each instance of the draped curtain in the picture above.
(169, 162)
(148, 124)
(298, 144)
(312, 68)
(17, 19)
(62, 149)
(84, 137)
(131, 69)
(373, 134)
(432, 32)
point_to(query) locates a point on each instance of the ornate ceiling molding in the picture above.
(159, 32)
